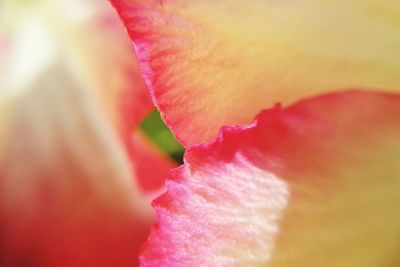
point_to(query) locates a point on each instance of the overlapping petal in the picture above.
(72, 192)
(213, 63)
(314, 184)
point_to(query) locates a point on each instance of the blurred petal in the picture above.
(212, 63)
(70, 101)
(100, 49)
(67, 197)
(81, 31)
(151, 165)
(315, 184)
(104, 51)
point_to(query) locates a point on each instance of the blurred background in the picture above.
(83, 150)
(29, 30)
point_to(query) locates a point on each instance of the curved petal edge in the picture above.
(213, 63)
(313, 184)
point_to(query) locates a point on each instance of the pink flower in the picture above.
(312, 184)
(74, 171)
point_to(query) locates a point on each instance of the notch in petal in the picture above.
(314, 184)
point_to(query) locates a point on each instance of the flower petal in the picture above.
(67, 195)
(80, 31)
(212, 63)
(315, 184)
(102, 52)
(69, 192)
(151, 166)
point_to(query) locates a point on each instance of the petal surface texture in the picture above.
(315, 184)
(72, 193)
(212, 63)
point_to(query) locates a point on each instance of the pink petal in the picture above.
(103, 52)
(211, 63)
(314, 184)
(69, 192)
(151, 166)
(104, 55)
(67, 195)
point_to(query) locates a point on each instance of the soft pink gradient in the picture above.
(313, 184)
